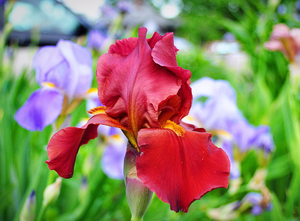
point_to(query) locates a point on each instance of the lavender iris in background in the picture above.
(114, 153)
(124, 6)
(97, 40)
(256, 200)
(114, 141)
(214, 107)
(64, 73)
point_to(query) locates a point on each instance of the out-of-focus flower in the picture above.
(114, 152)
(124, 6)
(146, 94)
(285, 40)
(97, 40)
(219, 107)
(215, 108)
(109, 12)
(255, 201)
(64, 73)
(258, 203)
(52, 192)
(2, 2)
(247, 136)
(226, 212)
(112, 139)
(28, 210)
(84, 190)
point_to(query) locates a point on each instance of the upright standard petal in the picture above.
(41, 109)
(180, 166)
(79, 61)
(131, 85)
(164, 54)
(45, 59)
(64, 145)
(67, 65)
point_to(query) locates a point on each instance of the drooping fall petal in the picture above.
(180, 167)
(41, 109)
(64, 145)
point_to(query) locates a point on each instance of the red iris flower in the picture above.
(146, 94)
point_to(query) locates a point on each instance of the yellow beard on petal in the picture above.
(92, 90)
(174, 127)
(97, 110)
(48, 84)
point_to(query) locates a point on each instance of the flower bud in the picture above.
(83, 191)
(137, 194)
(28, 210)
(51, 192)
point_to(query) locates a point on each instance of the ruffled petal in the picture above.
(180, 169)
(132, 86)
(123, 47)
(41, 109)
(64, 145)
(154, 39)
(164, 54)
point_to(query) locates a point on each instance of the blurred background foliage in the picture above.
(261, 81)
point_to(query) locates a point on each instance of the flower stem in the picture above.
(136, 219)
(41, 213)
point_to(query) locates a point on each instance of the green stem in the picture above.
(33, 184)
(136, 219)
(41, 213)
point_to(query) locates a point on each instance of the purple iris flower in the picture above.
(114, 153)
(247, 136)
(256, 201)
(97, 40)
(214, 107)
(220, 112)
(219, 109)
(263, 139)
(227, 146)
(64, 73)
(115, 143)
(124, 6)
(109, 12)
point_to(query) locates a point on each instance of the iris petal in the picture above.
(41, 109)
(180, 169)
(113, 160)
(64, 145)
(80, 72)
(164, 54)
(132, 86)
(44, 61)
